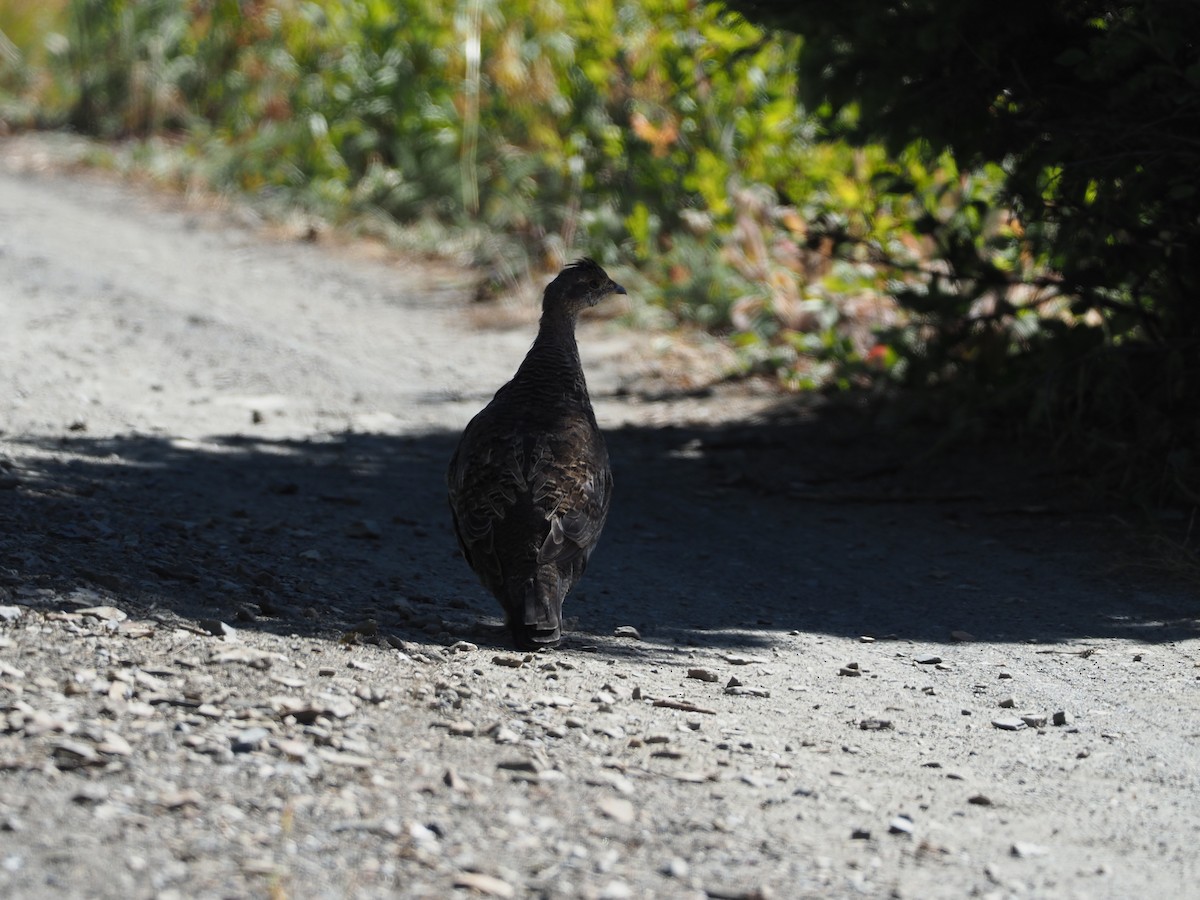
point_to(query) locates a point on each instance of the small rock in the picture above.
(928, 659)
(352, 760)
(249, 739)
(860, 834)
(463, 728)
(979, 800)
(90, 792)
(518, 765)
(114, 745)
(365, 529)
(1035, 720)
(372, 693)
(74, 754)
(703, 674)
(900, 825)
(178, 799)
(503, 735)
(10, 613)
(876, 725)
(294, 749)
(1025, 850)
(675, 868)
(616, 890)
(1007, 703)
(1062, 718)
(1008, 723)
(484, 884)
(850, 670)
(217, 628)
(511, 662)
(106, 613)
(616, 808)
(627, 631)
(463, 647)
(746, 691)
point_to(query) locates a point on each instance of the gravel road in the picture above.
(241, 657)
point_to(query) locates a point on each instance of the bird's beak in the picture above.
(617, 289)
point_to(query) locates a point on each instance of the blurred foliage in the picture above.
(999, 205)
(661, 137)
(1087, 112)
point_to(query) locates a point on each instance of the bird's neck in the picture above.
(557, 331)
(555, 349)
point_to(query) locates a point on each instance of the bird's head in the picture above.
(579, 285)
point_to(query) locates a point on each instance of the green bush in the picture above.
(1069, 283)
(663, 136)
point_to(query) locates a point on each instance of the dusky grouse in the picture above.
(530, 481)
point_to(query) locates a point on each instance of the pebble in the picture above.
(10, 613)
(979, 800)
(178, 799)
(503, 735)
(292, 748)
(616, 890)
(217, 628)
(747, 691)
(876, 725)
(675, 868)
(366, 529)
(106, 613)
(851, 670)
(1025, 850)
(929, 659)
(627, 631)
(1062, 718)
(518, 765)
(616, 808)
(1035, 720)
(114, 745)
(901, 824)
(703, 675)
(73, 754)
(1009, 723)
(484, 884)
(1007, 703)
(249, 739)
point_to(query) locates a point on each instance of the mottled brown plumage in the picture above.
(530, 482)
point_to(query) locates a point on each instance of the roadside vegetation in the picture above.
(841, 207)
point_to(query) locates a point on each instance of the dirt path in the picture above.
(239, 655)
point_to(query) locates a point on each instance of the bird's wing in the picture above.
(484, 481)
(582, 491)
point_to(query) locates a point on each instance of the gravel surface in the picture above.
(240, 655)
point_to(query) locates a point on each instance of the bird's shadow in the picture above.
(726, 537)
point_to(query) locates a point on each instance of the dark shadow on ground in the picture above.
(808, 526)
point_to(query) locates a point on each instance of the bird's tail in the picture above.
(537, 622)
